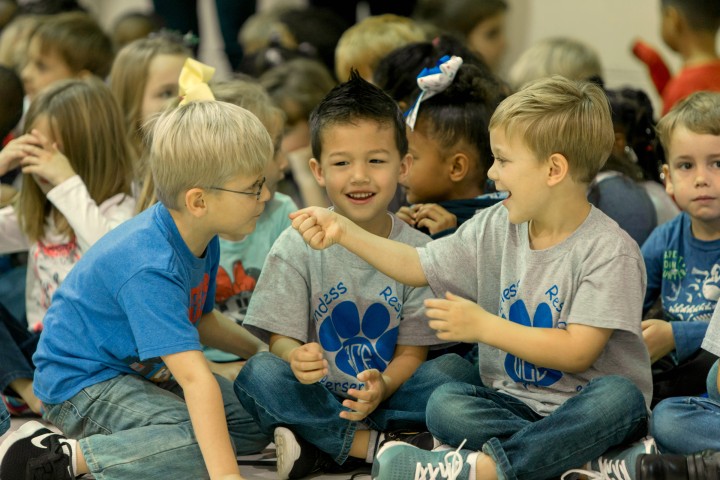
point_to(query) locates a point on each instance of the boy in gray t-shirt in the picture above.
(549, 287)
(347, 343)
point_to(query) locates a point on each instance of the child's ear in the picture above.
(195, 202)
(317, 171)
(459, 166)
(84, 74)
(668, 181)
(557, 169)
(405, 165)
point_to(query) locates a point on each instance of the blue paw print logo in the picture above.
(360, 344)
(520, 370)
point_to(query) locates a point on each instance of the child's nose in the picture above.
(359, 174)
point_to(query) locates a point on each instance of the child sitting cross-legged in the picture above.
(549, 287)
(347, 343)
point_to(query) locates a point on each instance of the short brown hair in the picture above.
(699, 113)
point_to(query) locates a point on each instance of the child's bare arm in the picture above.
(322, 228)
(571, 350)
(379, 387)
(306, 360)
(658, 337)
(218, 331)
(207, 413)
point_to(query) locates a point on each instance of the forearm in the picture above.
(395, 259)
(218, 331)
(406, 361)
(580, 345)
(205, 405)
(282, 346)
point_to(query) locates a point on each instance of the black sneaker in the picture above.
(700, 466)
(35, 452)
(297, 458)
(422, 440)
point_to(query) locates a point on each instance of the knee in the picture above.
(440, 408)
(712, 382)
(258, 370)
(618, 390)
(667, 421)
(453, 368)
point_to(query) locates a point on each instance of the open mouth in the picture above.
(360, 196)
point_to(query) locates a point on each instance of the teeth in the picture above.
(360, 196)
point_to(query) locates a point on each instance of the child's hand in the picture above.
(47, 163)
(434, 217)
(307, 363)
(658, 337)
(455, 318)
(16, 150)
(407, 215)
(319, 227)
(368, 398)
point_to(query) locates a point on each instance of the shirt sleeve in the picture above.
(89, 220)
(652, 252)
(688, 338)
(12, 238)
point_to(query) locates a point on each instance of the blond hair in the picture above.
(251, 96)
(555, 56)
(557, 115)
(699, 113)
(78, 39)
(129, 75)
(88, 127)
(367, 42)
(205, 144)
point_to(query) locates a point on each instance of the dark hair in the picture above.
(356, 100)
(396, 73)
(458, 16)
(700, 14)
(462, 112)
(11, 100)
(632, 114)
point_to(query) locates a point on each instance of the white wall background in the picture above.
(610, 26)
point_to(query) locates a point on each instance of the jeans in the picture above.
(609, 411)
(687, 425)
(130, 428)
(269, 391)
(17, 346)
(4, 419)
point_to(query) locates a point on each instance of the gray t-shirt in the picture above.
(331, 296)
(594, 277)
(711, 342)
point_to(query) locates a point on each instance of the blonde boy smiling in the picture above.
(549, 287)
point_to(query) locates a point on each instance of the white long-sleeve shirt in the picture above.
(52, 257)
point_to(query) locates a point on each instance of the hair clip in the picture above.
(193, 82)
(433, 81)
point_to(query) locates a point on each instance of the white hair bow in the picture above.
(433, 81)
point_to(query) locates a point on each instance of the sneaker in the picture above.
(400, 461)
(16, 406)
(423, 440)
(33, 451)
(699, 466)
(297, 458)
(615, 464)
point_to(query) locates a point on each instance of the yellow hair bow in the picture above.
(193, 82)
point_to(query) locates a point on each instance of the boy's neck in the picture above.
(705, 231)
(699, 49)
(560, 220)
(192, 234)
(381, 227)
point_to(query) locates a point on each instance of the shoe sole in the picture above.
(287, 450)
(26, 430)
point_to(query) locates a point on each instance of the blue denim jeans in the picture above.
(130, 428)
(17, 346)
(689, 424)
(4, 419)
(609, 411)
(269, 391)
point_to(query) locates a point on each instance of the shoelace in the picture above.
(609, 470)
(58, 459)
(450, 468)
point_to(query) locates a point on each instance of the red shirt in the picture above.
(690, 80)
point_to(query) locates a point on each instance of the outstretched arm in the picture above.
(321, 228)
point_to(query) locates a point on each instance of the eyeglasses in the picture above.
(256, 193)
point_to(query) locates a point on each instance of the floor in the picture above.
(255, 467)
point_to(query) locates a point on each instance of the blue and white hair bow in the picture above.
(433, 81)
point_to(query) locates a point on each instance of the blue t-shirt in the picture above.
(136, 296)
(685, 273)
